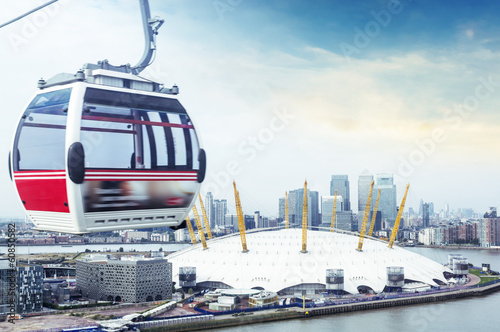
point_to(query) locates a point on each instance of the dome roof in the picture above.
(274, 261)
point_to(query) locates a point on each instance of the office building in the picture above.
(220, 208)
(340, 183)
(327, 209)
(387, 203)
(425, 215)
(132, 280)
(364, 185)
(210, 209)
(29, 288)
(295, 207)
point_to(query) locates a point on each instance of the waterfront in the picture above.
(474, 313)
(59, 249)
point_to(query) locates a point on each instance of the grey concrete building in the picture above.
(132, 280)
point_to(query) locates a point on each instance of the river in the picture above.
(470, 314)
(53, 249)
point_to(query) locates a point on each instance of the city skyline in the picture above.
(286, 91)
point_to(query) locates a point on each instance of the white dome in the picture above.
(274, 261)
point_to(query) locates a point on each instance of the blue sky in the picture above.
(276, 97)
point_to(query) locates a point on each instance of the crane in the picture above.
(374, 217)
(207, 223)
(241, 220)
(304, 220)
(398, 218)
(190, 228)
(365, 219)
(200, 227)
(334, 212)
(286, 210)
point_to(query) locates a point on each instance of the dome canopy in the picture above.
(274, 261)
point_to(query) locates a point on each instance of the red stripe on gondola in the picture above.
(41, 194)
(137, 171)
(134, 175)
(150, 123)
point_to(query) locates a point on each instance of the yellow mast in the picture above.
(374, 217)
(286, 210)
(207, 223)
(241, 220)
(365, 219)
(398, 218)
(190, 228)
(200, 227)
(334, 212)
(304, 220)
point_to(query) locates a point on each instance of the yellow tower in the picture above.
(304, 220)
(241, 219)
(398, 218)
(207, 222)
(200, 227)
(334, 212)
(374, 217)
(190, 228)
(365, 219)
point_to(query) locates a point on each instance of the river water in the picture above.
(53, 249)
(470, 314)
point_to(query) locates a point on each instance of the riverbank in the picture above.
(456, 247)
(266, 316)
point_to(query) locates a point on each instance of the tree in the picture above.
(190, 291)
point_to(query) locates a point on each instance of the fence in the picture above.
(173, 321)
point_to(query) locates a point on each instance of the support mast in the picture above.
(205, 218)
(398, 218)
(334, 213)
(304, 220)
(365, 219)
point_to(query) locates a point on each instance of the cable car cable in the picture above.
(28, 13)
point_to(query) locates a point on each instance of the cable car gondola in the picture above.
(106, 149)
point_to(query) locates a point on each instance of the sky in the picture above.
(285, 90)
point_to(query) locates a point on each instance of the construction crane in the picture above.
(190, 228)
(398, 218)
(374, 217)
(286, 210)
(365, 219)
(334, 213)
(241, 220)
(200, 227)
(207, 223)
(304, 220)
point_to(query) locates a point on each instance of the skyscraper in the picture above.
(364, 184)
(327, 209)
(340, 183)
(387, 203)
(295, 201)
(220, 208)
(209, 207)
(425, 215)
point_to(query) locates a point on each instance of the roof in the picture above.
(274, 261)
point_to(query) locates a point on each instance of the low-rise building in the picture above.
(130, 280)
